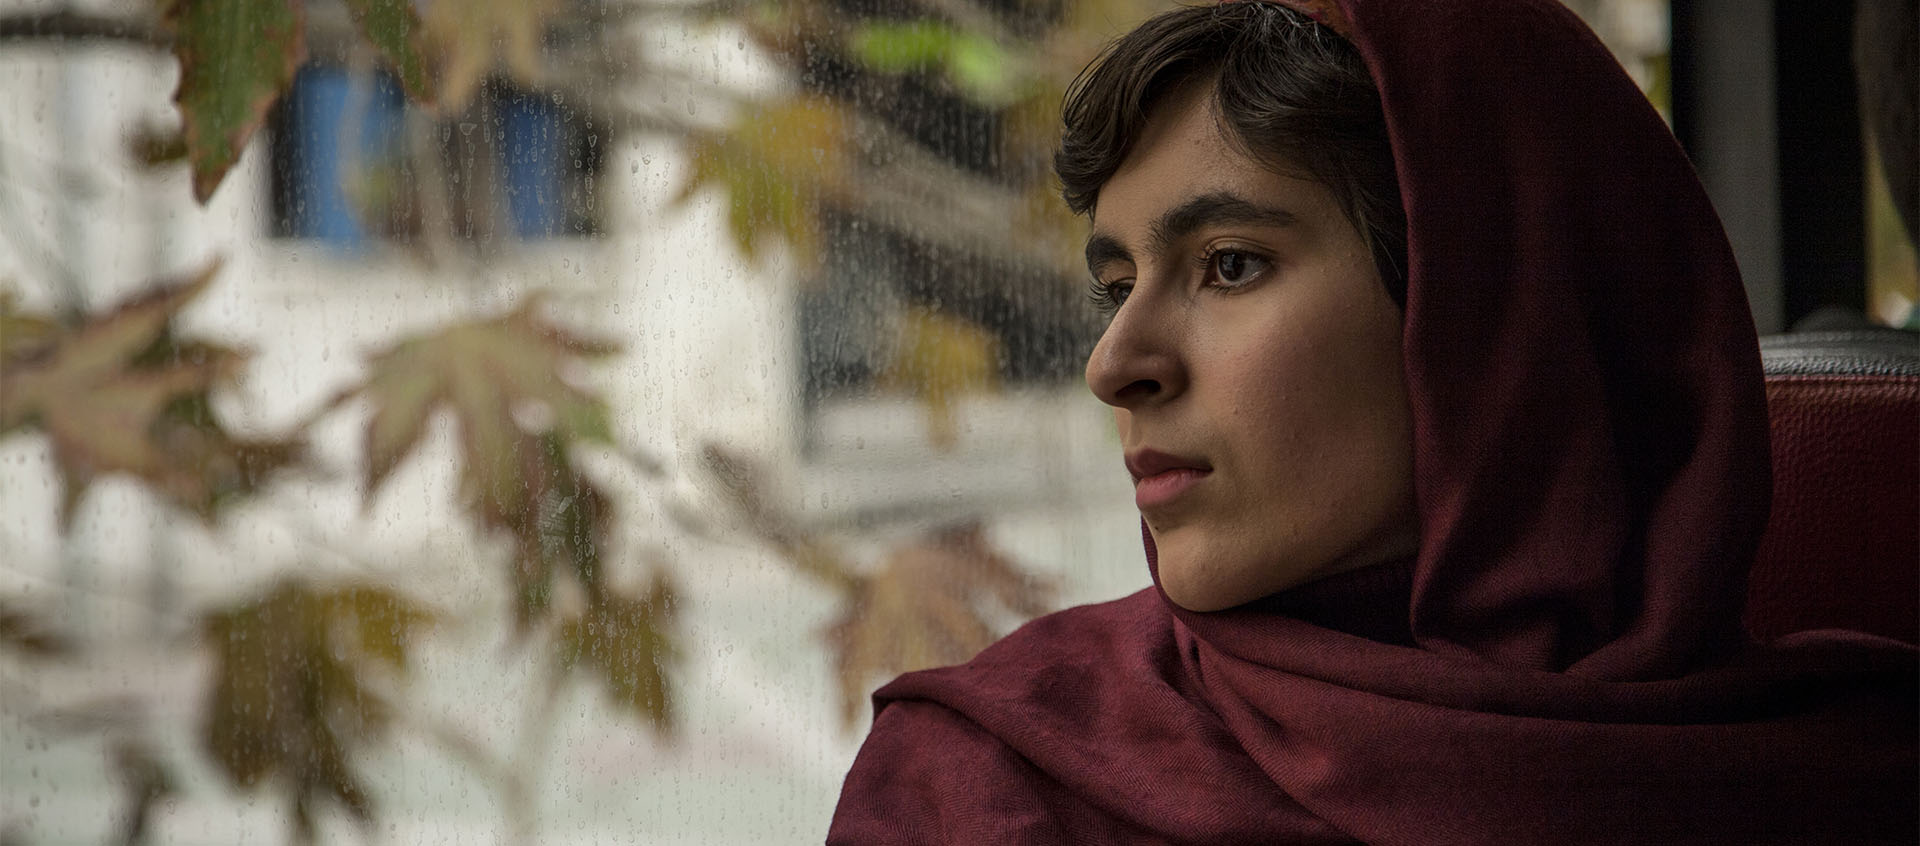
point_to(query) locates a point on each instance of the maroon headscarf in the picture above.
(1563, 663)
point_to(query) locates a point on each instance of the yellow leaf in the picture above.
(775, 166)
(939, 358)
(287, 706)
(474, 38)
(623, 641)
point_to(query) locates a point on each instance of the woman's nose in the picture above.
(1137, 361)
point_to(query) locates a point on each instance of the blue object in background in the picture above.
(536, 138)
(317, 161)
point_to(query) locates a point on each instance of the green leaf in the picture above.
(980, 68)
(899, 47)
(378, 621)
(236, 58)
(983, 71)
(395, 30)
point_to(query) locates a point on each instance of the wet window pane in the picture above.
(532, 422)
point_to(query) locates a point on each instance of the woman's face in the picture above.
(1253, 365)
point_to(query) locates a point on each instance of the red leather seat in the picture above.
(1842, 549)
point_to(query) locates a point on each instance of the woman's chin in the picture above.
(1201, 589)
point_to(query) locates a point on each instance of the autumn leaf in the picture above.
(209, 466)
(742, 481)
(926, 607)
(471, 38)
(792, 29)
(503, 380)
(145, 781)
(775, 166)
(622, 640)
(119, 394)
(30, 634)
(47, 362)
(395, 29)
(939, 358)
(152, 146)
(236, 58)
(288, 703)
(24, 336)
(558, 521)
(484, 372)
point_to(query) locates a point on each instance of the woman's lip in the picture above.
(1164, 487)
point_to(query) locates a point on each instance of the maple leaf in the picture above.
(939, 358)
(210, 467)
(30, 634)
(287, 703)
(774, 166)
(517, 417)
(472, 38)
(146, 781)
(926, 607)
(558, 522)
(394, 28)
(119, 394)
(623, 640)
(23, 336)
(236, 58)
(741, 480)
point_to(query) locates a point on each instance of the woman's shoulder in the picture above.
(1041, 738)
(928, 774)
(1123, 642)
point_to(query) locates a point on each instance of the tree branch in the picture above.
(68, 25)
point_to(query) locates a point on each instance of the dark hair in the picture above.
(1294, 94)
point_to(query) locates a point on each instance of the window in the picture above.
(354, 164)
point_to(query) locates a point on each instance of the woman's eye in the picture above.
(1233, 268)
(1108, 296)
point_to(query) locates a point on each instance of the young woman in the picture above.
(1443, 405)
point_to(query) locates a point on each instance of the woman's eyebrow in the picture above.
(1103, 249)
(1219, 207)
(1213, 209)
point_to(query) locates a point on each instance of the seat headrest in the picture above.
(1847, 352)
(1842, 547)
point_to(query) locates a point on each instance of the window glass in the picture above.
(531, 422)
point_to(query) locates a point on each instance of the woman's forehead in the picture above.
(1185, 173)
